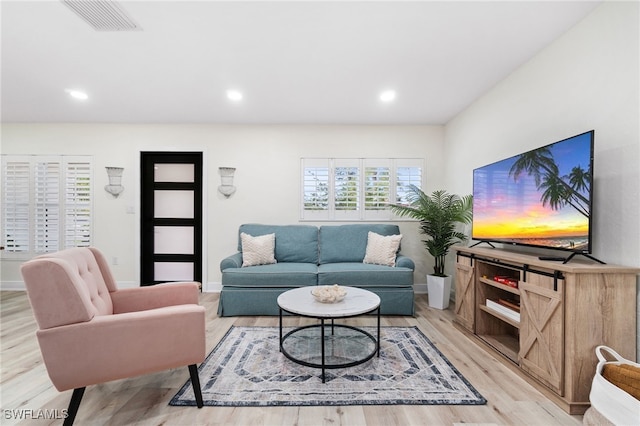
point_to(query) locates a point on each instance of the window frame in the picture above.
(324, 177)
(56, 204)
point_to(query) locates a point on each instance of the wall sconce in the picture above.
(226, 176)
(115, 181)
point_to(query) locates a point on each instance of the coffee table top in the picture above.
(300, 301)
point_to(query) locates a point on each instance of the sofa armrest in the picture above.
(153, 297)
(233, 261)
(405, 262)
(111, 347)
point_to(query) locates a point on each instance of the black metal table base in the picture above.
(333, 362)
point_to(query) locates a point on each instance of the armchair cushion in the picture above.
(112, 347)
(65, 289)
(152, 297)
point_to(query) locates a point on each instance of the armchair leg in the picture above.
(195, 382)
(74, 404)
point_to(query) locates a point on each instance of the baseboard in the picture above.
(12, 286)
(212, 287)
(420, 288)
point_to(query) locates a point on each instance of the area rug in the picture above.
(247, 369)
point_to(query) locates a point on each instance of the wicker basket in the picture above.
(607, 398)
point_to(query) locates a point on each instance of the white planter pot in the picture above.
(439, 289)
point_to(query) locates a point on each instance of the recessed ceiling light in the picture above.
(388, 95)
(77, 94)
(234, 95)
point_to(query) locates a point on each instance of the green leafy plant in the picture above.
(439, 215)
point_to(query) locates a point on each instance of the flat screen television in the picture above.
(540, 198)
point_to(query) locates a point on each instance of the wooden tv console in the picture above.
(566, 310)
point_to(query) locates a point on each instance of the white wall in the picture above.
(267, 159)
(588, 79)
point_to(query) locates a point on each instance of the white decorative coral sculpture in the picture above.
(329, 293)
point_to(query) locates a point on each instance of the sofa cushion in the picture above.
(364, 275)
(258, 250)
(348, 243)
(294, 243)
(282, 274)
(382, 249)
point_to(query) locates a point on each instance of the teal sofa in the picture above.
(309, 256)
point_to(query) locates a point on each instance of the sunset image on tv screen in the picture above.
(541, 197)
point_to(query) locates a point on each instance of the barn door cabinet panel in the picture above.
(465, 293)
(546, 318)
(542, 334)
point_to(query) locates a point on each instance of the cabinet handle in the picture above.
(556, 276)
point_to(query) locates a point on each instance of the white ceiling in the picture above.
(295, 62)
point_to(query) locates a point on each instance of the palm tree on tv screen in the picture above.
(558, 190)
(536, 163)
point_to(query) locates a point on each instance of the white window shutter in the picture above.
(46, 219)
(347, 188)
(408, 172)
(377, 188)
(78, 203)
(16, 175)
(315, 189)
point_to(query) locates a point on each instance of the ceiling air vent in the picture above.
(103, 15)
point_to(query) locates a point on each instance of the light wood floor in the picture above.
(144, 400)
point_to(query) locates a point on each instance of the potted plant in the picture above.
(439, 215)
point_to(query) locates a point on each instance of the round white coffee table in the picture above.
(339, 346)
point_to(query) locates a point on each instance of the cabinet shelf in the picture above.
(506, 344)
(501, 317)
(501, 286)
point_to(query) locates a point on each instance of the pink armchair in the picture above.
(90, 332)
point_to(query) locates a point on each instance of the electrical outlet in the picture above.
(114, 260)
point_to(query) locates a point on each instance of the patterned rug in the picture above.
(247, 369)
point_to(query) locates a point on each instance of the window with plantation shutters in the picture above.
(46, 204)
(354, 189)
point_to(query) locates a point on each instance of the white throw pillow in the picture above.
(382, 250)
(258, 250)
